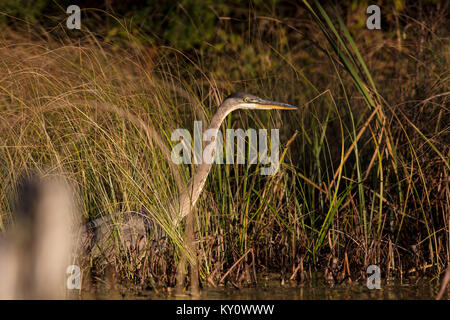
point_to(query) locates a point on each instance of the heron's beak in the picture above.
(267, 104)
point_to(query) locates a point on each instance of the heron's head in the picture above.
(242, 100)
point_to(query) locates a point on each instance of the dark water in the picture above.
(417, 290)
(327, 292)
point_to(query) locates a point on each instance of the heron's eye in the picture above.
(246, 99)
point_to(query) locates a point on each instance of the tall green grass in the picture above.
(364, 171)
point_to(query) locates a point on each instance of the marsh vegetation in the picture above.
(364, 162)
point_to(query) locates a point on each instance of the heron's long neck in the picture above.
(189, 196)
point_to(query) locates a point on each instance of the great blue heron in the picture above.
(137, 224)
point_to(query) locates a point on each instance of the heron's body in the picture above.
(137, 223)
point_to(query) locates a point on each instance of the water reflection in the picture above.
(418, 290)
(324, 292)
